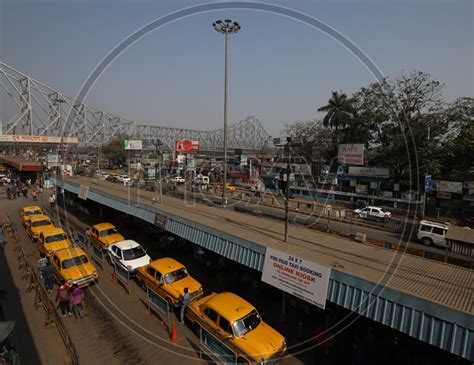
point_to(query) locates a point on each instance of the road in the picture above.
(307, 217)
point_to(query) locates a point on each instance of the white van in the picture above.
(430, 233)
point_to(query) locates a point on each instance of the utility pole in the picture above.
(287, 186)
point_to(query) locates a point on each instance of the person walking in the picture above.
(62, 299)
(48, 274)
(34, 195)
(184, 303)
(76, 299)
(2, 238)
(52, 200)
(41, 264)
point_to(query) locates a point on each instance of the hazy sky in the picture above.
(280, 70)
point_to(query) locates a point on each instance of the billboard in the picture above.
(450, 186)
(36, 139)
(132, 144)
(187, 146)
(295, 275)
(369, 171)
(351, 154)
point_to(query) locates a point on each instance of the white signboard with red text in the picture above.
(297, 276)
(187, 146)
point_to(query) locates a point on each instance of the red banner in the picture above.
(187, 146)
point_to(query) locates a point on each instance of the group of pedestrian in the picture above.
(16, 188)
(70, 300)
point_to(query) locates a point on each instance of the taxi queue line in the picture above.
(227, 316)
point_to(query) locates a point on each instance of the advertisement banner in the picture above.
(361, 189)
(160, 220)
(428, 183)
(187, 146)
(132, 144)
(443, 195)
(369, 171)
(351, 154)
(302, 278)
(450, 186)
(37, 139)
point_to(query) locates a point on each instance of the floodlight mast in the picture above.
(227, 26)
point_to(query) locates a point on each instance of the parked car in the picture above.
(370, 212)
(128, 254)
(111, 178)
(168, 278)
(74, 266)
(237, 324)
(27, 212)
(124, 179)
(178, 180)
(430, 233)
(53, 239)
(230, 188)
(104, 234)
(36, 224)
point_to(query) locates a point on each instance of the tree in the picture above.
(114, 151)
(317, 141)
(457, 152)
(404, 124)
(338, 111)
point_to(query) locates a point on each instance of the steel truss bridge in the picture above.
(38, 109)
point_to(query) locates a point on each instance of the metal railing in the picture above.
(41, 297)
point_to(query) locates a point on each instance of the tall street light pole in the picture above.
(227, 26)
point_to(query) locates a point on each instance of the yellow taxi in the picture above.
(230, 188)
(104, 234)
(239, 326)
(168, 278)
(27, 212)
(53, 239)
(73, 265)
(36, 224)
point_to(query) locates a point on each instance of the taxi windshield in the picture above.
(175, 275)
(133, 253)
(108, 232)
(55, 238)
(45, 222)
(74, 261)
(32, 212)
(246, 324)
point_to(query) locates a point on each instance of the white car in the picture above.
(128, 254)
(125, 179)
(376, 213)
(430, 233)
(178, 180)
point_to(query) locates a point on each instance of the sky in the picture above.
(280, 70)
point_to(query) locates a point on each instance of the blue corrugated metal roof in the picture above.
(430, 322)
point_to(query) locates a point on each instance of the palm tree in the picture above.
(339, 112)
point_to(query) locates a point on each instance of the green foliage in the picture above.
(114, 152)
(405, 125)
